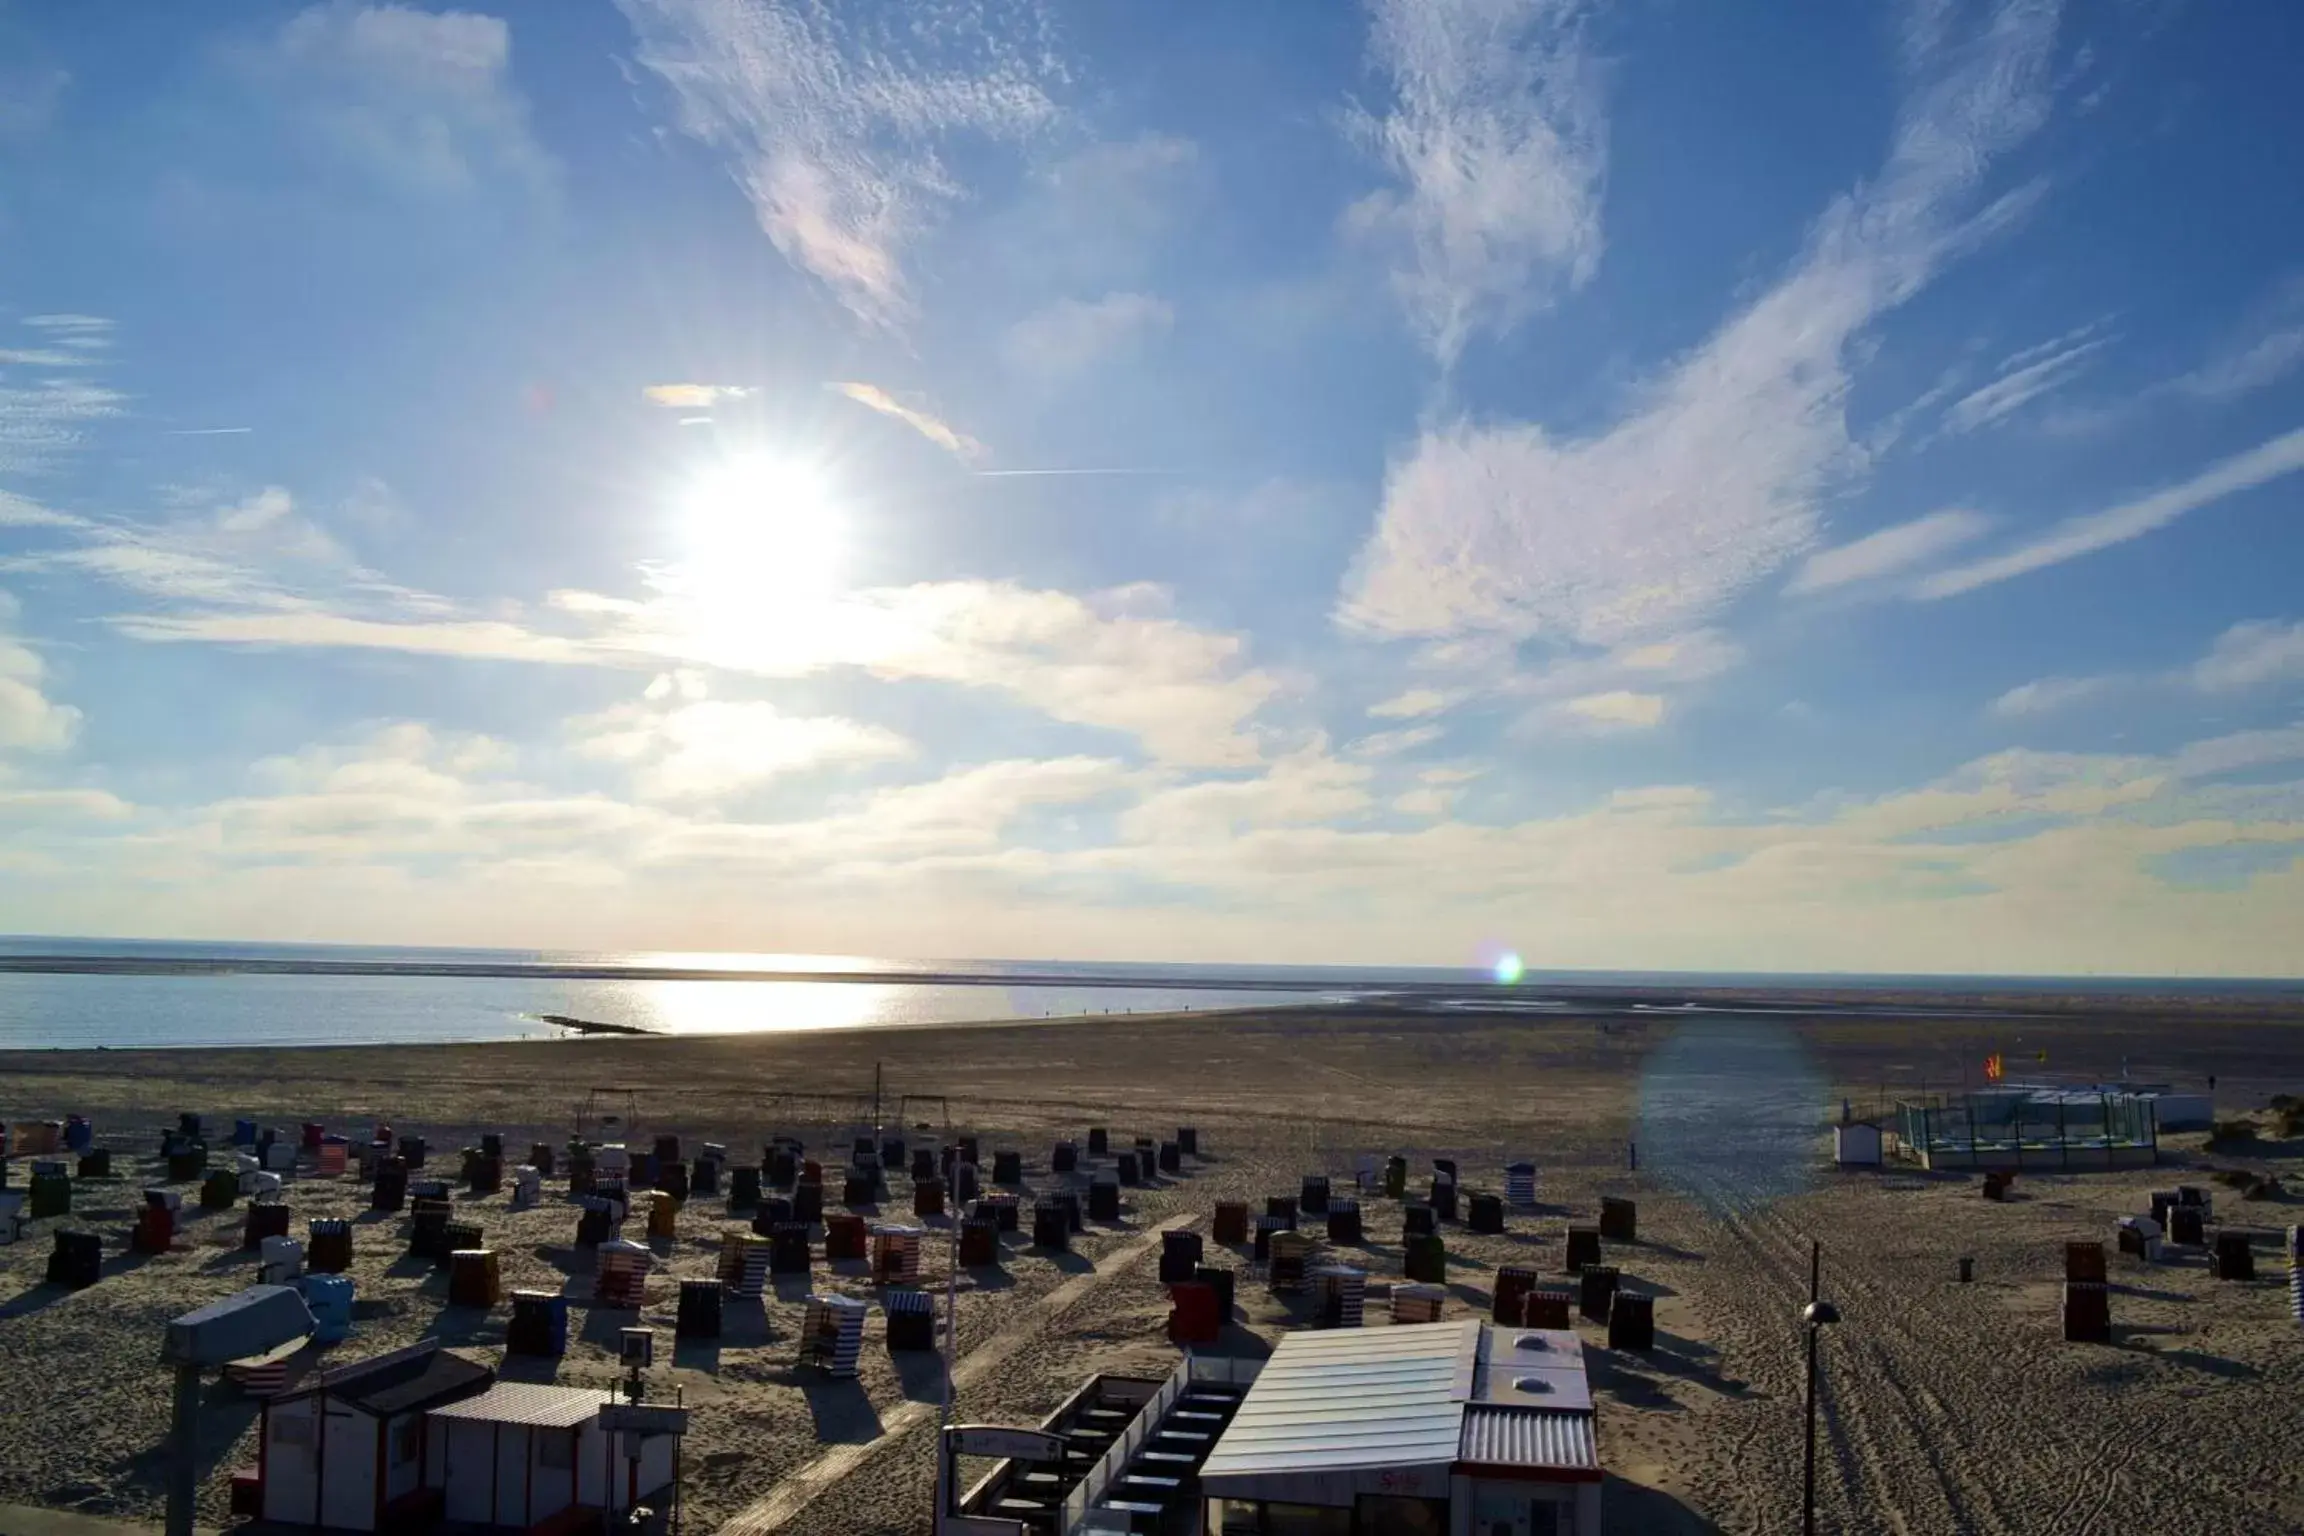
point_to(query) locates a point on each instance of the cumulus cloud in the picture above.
(1719, 476)
(834, 121)
(708, 749)
(1302, 788)
(1890, 552)
(1070, 336)
(30, 721)
(421, 101)
(1496, 138)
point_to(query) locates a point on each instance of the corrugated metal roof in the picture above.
(1537, 1439)
(402, 1380)
(1357, 1397)
(531, 1403)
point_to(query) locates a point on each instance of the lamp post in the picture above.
(1816, 1317)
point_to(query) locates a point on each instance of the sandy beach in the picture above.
(1950, 1407)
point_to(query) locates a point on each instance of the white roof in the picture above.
(1348, 1399)
(527, 1402)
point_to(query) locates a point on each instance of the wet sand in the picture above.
(1948, 1407)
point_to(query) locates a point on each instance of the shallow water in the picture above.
(1731, 1111)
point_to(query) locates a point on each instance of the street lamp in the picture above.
(1816, 1317)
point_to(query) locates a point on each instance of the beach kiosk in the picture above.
(525, 1455)
(1456, 1429)
(345, 1450)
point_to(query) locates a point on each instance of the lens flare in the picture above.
(1508, 969)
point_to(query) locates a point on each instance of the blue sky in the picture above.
(1663, 485)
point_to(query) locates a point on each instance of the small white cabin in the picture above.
(523, 1455)
(1856, 1144)
(345, 1450)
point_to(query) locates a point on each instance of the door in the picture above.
(470, 1475)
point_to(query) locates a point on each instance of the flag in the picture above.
(1992, 1066)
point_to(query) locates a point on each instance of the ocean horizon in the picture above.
(78, 993)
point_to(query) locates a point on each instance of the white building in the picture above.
(1451, 1429)
(521, 1454)
(1856, 1144)
(346, 1448)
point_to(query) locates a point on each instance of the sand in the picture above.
(1948, 1407)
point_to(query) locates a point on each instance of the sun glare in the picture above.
(761, 549)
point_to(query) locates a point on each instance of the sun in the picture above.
(761, 549)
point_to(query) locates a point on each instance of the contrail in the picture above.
(205, 431)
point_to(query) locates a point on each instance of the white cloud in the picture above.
(692, 397)
(30, 721)
(1071, 335)
(1719, 476)
(421, 101)
(1436, 791)
(2266, 348)
(1889, 552)
(2047, 694)
(47, 806)
(2077, 536)
(1618, 708)
(2250, 655)
(953, 441)
(44, 409)
(1409, 704)
(2240, 750)
(1303, 788)
(834, 122)
(2020, 383)
(710, 749)
(1497, 138)
(1392, 743)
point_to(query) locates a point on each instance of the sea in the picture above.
(67, 994)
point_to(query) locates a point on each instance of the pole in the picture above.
(1808, 1474)
(183, 1457)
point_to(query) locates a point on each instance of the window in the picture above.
(1250, 1518)
(407, 1440)
(292, 1429)
(556, 1449)
(1390, 1515)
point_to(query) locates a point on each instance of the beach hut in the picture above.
(622, 1277)
(1857, 1144)
(1444, 1427)
(911, 1320)
(345, 1449)
(329, 1299)
(539, 1324)
(699, 1314)
(531, 1457)
(78, 1260)
(832, 1334)
(280, 1261)
(1338, 1295)
(1520, 1183)
(895, 1255)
